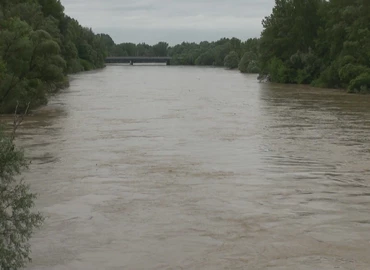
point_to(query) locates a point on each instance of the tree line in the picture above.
(231, 53)
(318, 42)
(39, 46)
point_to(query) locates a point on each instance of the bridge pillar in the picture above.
(131, 63)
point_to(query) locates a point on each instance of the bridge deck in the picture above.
(137, 59)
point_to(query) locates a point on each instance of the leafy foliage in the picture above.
(361, 84)
(232, 60)
(213, 53)
(249, 63)
(324, 43)
(39, 46)
(17, 221)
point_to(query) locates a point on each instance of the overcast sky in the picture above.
(173, 21)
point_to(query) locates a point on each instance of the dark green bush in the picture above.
(231, 60)
(361, 84)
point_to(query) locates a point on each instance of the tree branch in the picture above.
(18, 119)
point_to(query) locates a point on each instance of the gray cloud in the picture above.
(173, 21)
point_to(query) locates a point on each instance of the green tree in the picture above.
(34, 66)
(107, 42)
(206, 59)
(292, 27)
(220, 52)
(160, 49)
(360, 84)
(279, 72)
(39, 45)
(323, 43)
(17, 220)
(144, 49)
(344, 44)
(232, 60)
(250, 45)
(236, 45)
(52, 8)
(249, 63)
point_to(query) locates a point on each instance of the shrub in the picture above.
(253, 67)
(278, 71)
(361, 84)
(205, 59)
(329, 77)
(350, 71)
(248, 63)
(86, 65)
(231, 60)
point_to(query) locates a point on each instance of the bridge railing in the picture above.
(138, 59)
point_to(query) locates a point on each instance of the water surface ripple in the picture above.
(155, 167)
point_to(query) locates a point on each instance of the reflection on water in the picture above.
(199, 168)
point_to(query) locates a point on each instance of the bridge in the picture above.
(138, 59)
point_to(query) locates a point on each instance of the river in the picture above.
(163, 167)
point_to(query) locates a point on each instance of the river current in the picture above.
(163, 167)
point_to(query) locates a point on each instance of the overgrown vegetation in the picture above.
(17, 220)
(224, 52)
(39, 46)
(318, 42)
(231, 60)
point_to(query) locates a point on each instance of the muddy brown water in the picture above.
(155, 167)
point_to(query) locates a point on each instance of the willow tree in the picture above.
(17, 220)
